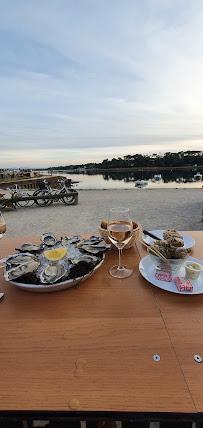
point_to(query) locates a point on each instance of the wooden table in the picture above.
(88, 350)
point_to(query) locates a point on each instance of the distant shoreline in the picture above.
(143, 168)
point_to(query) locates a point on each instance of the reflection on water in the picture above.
(127, 179)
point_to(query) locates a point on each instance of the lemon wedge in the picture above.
(56, 254)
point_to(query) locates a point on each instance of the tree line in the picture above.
(168, 159)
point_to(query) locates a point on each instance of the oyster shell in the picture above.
(181, 253)
(49, 239)
(176, 242)
(19, 259)
(95, 249)
(52, 273)
(84, 258)
(31, 248)
(162, 242)
(21, 270)
(171, 233)
(93, 240)
(72, 240)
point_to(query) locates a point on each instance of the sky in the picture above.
(86, 80)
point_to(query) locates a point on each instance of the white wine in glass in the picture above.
(119, 232)
(2, 226)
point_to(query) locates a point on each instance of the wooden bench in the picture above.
(57, 196)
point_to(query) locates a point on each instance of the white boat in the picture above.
(198, 177)
(141, 183)
(157, 177)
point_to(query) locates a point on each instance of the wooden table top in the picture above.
(91, 347)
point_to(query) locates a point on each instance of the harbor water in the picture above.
(134, 180)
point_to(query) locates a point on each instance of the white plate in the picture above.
(188, 241)
(147, 270)
(42, 288)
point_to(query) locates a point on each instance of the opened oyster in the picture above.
(52, 273)
(19, 259)
(33, 267)
(31, 248)
(92, 245)
(49, 239)
(69, 240)
(83, 259)
(93, 240)
(21, 271)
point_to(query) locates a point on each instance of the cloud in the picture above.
(92, 76)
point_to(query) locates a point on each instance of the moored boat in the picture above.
(141, 183)
(157, 177)
(198, 177)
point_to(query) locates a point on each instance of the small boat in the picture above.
(141, 183)
(198, 177)
(157, 177)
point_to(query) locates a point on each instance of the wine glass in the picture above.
(120, 229)
(2, 225)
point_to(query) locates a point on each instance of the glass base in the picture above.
(122, 272)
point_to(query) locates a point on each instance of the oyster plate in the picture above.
(47, 288)
(91, 249)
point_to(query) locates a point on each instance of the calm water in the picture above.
(126, 180)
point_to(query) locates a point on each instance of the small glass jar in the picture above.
(192, 270)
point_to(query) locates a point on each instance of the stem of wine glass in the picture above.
(120, 252)
(119, 258)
